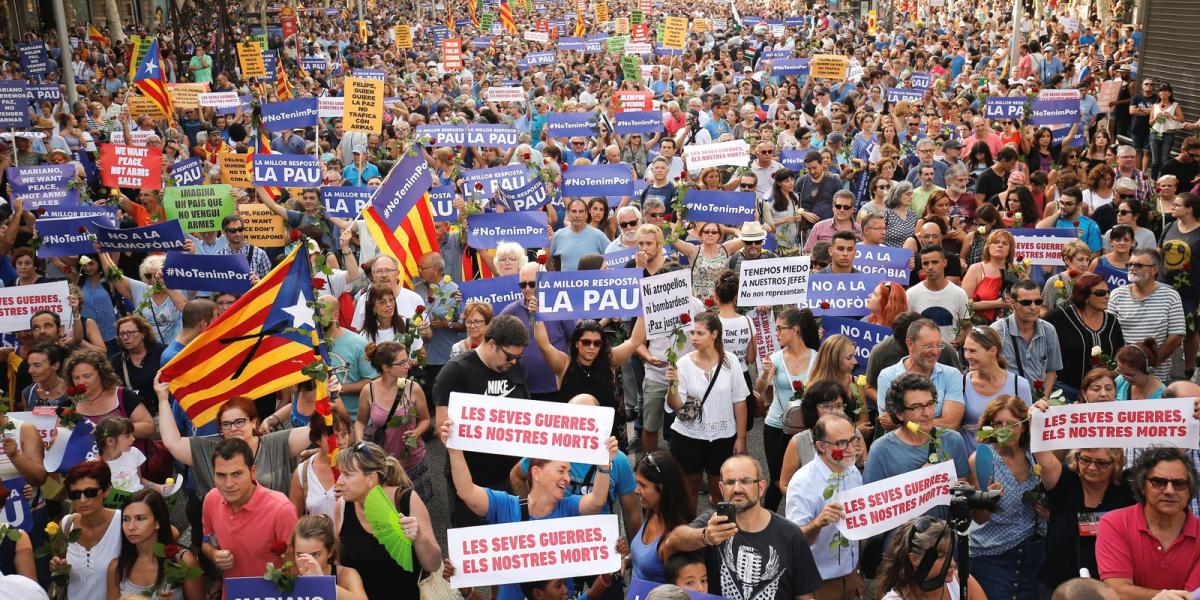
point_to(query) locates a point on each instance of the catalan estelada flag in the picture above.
(400, 216)
(149, 79)
(506, 17)
(256, 347)
(95, 35)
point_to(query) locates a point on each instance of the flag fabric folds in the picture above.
(95, 35)
(283, 88)
(400, 216)
(506, 17)
(149, 79)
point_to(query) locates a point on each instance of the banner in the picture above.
(199, 208)
(1053, 112)
(329, 107)
(589, 294)
(884, 505)
(766, 342)
(734, 153)
(1115, 278)
(186, 95)
(530, 428)
(675, 37)
(1134, 424)
(772, 281)
(151, 238)
(345, 202)
(250, 57)
(864, 335)
(235, 170)
(263, 227)
(598, 180)
(1042, 246)
(841, 294)
(531, 196)
(301, 112)
(449, 136)
(19, 303)
(288, 170)
(529, 229)
(538, 59)
(34, 58)
(441, 198)
(536, 36)
(313, 587)
(829, 66)
(314, 63)
(905, 95)
(14, 104)
(997, 107)
(16, 507)
(532, 550)
(131, 166)
(620, 258)
(785, 67)
(187, 172)
(207, 273)
(665, 297)
(486, 182)
(50, 92)
(726, 208)
(45, 185)
(363, 106)
(572, 124)
(633, 101)
(498, 292)
(648, 121)
(890, 262)
(219, 100)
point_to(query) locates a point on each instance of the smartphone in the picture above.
(727, 510)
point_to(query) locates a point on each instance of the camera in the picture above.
(965, 498)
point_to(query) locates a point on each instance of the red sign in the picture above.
(131, 166)
(452, 54)
(633, 100)
(640, 32)
(287, 22)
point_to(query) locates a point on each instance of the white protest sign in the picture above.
(735, 153)
(665, 297)
(219, 99)
(533, 550)
(774, 281)
(19, 303)
(537, 36)
(42, 418)
(1057, 94)
(638, 48)
(529, 428)
(331, 106)
(1132, 424)
(138, 138)
(506, 94)
(1044, 247)
(884, 505)
(765, 339)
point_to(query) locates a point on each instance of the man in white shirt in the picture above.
(383, 272)
(937, 298)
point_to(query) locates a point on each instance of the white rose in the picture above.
(1096, 351)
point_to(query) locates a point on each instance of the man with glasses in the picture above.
(1146, 308)
(913, 398)
(759, 555)
(1031, 345)
(539, 377)
(1069, 214)
(874, 226)
(925, 346)
(764, 168)
(629, 218)
(925, 158)
(752, 235)
(841, 221)
(383, 272)
(235, 237)
(1152, 549)
(1127, 168)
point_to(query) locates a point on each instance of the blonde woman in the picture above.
(836, 360)
(161, 307)
(508, 259)
(984, 282)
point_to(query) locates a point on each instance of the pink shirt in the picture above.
(1125, 549)
(250, 531)
(992, 140)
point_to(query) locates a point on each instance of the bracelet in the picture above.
(704, 536)
(605, 470)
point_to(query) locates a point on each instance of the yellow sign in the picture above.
(251, 60)
(601, 11)
(262, 227)
(363, 105)
(235, 170)
(404, 39)
(141, 105)
(829, 66)
(141, 46)
(873, 22)
(186, 95)
(701, 25)
(621, 25)
(675, 36)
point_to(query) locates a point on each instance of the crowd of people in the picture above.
(723, 458)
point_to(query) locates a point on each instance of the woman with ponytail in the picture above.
(394, 398)
(316, 550)
(1136, 364)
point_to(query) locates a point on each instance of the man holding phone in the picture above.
(750, 551)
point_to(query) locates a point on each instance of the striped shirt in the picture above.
(1158, 315)
(1039, 356)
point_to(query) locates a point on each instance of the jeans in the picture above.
(775, 444)
(1160, 150)
(1012, 575)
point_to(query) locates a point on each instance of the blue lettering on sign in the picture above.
(589, 294)
(864, 335)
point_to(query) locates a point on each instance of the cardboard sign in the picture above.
(262, 226)
(235, 169)
(569, 295)
(841, 294)
(131, 166)
(363, 105)
(997, 107)
(530, 428)
(449, 136)
(905, 95)
(452, 55)
(533, 550)
(219, 100)
(570, 124)
(404, 39)
(485, 183)
(151, 238)
(142, 106)
(829, 66)
(1135, 424)
(68, 236)
(19, 303)
(207, 273)
(199, 208)
(665, 297)
(675, 37)
(627, 122)
(1042, 246)
(884, 505)
(531, 196)
(601, 11)
(536, 36)
(864, 335)
(773, 281)
(734, 153)
(250, 57)
(290, 114)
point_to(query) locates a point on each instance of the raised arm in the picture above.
(597, 498)
(628, 349)
(474, 496)
(177, 445)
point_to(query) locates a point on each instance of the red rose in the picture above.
(1075, 223)
(279, 547)
(797, 385)
(317, 283)
(1072, 274)
(824, 305)
(921, 276)
(685, 318)
(40, 211)
(1095, 360)
(837, 454)
(82, 229)
(543, 259)
(458, 147)
(171, 550)
(564, 167)
(1038, 384)
(526, 156)
(420, 309)
(1011, 213)
(478, 186)
(433, 141)
(677, 177)
(709, 302)
(1020, 258)
(295, 235)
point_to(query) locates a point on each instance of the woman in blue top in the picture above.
(667, 504)
(1136, 364)
(986, 379)
(548, 481)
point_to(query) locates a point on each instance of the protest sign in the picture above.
(793, 159)
(43, 185)
(235, 169)
(33, 58)
(1042, 246)
(598, 180)
(486, 230)
(187, 172)
(536, 36)
(905, 95)
(621, 25)
(531, 196)
(131, 166)
(734, 153)
(773, 281)
(1115, 278)
(841, 294)
(14, 104)
(345, 202)
(571, 295)
(301, 112)
(676, 34)
(151, 238)
(617, 43)
(864, 335)
(572, 124)
(288, 170)
(665, 297)
(601, 11)
(633, 100)
(650, 121)
(449, 136)
(533, 550)
(726, 208)
(997, 107)
(64, 237)
(141, 106)
(505, 94)
(920, 80)
(137, 138)
(629, 66)
(250, 57)
(186, 95)
(1109, 90)
(497, 292)
(452, 54)
(49, 92)
(363, 107)
(766, 341)
(620, 258)
(16, 506)
(884, 505)
(530, 428)
(219, 100)
(404, 39)
(19, 303)
(312, 587)
(207, 273)
(1137, 424)
(199, 208)
(784, 67)
(441, 199)
(262, 226)
(1053, 112)
(486, 182)
(537, 59)
(331, 107)
(890, 262)
(829, 66)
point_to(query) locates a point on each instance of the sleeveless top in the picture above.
(783, 386)
(317, 499)
(410, 458)
(129, 588)
(381, 576)
(89, 566)
(705, 270)
(7, 469)
(898, 230)
(647, 565)
(989, 288)
(32, 399)
(1016, 520)
(580, 379)
(975, 253)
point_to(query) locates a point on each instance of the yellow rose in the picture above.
(416, 320)
(861, 381)
(1058, 284)
(913, 427)
(1028, 262)
(1037, 470)
(52, 528)
(170, 482)
(446, 279)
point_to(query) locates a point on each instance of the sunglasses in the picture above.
(1099, 293)
(746, 186)
(590, 343)
(510, 358)
(528, 284)
(88, 492)
(1125, 213)
(1160, 483)
(235, 230)
(1033, 302)
(627, 224)
(842, 206)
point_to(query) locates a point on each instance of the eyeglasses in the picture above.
(235, 424)
(840, 444)
(1100, 293)
(235, 230)
(843, 206)
(745, 481)
(1085, 462)
(650, 215)
(591, 343)
(385, 301)
(528, 284)
(403, 363)
(473, 322)
(1160, 483)
(1029, 302)
(627, 224)
(917, 408)
(127, 333)
(510, 358)
(1124, 212)
(883, 187)
(746, 186)
(832, 405)
(710, 232)
(91, 492)
(383, 271)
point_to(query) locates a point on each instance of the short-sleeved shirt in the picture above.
(348, 351)
(806, 500)
(466, 373)
(506, 508)
(1159, 315)
(891, 456)
(1030, 359)
(250, 531)
(273, 464)
(946, 380)
(1088, 231)
(772, 564)
(1125, 549)
(621, 481)
(717, 418)
(570, 246)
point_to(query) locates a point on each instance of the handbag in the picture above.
(692, 408)
(435, 587)
(379, 436)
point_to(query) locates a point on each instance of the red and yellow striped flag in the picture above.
(283, 88)
(400, 217)
(580, 29)
(506, 17)
(95, 35)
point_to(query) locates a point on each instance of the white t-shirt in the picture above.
(717, 420)
(1094, 200)
(736, 334)
(124, 469)
(945, 307)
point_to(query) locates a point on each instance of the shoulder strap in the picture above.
(523, 502)
(713, 381)
(402, 500)
(1017, 352)
(304, 474)
(395, 405)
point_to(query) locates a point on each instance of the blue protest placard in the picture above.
(793, 21)
(792, 159)
(44, 185)
(638, 121)
(16, 507)
(1115, 278)
(207, 273)
(243, 104)
(14, 104)
(270, 63)
(905, 95)
(864, 335)
(571, 124)
(921, 80)
(499, 292)
(1053, 112)
(288, 170)
(313, 63)
(449, 136)
(619, 258)
(34, 58)
(564, 295)
(726, 208)
(483, 41)
(256, 588)
(188, 172)
(776, 54)
(531, 196)
(345, 202)
(890, 262)
(997, 107)
(486, 230)
(571, 43)
(65, 237)
(486, 182)
(442, 200)
(841, 294)
(151, 238)
(105, 215)
(597, 180)
(376, 74)
(537, 59)
(404, 188)
(301, 112)
(49, 92)
(789, 66)
(596, 43)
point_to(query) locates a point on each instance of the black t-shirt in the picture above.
(1140, 124)
(1075, 547)
(989, 183)
(1185, 173)
(773, 564)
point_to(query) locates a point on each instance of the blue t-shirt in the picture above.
(890, 456)
(1089, 232)
(621, 481)
(570, 246)
(504, 507)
